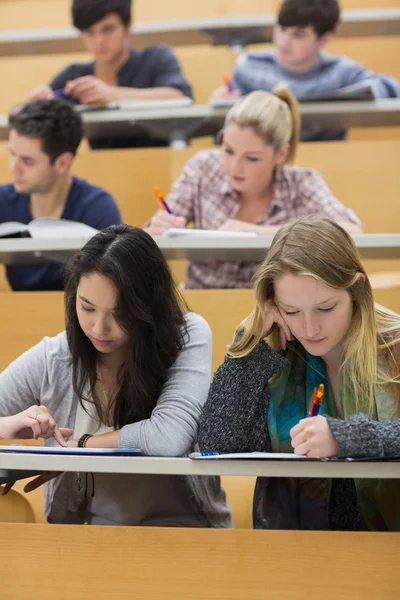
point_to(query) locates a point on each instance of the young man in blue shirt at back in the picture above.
(118, 72)
(303, 29)
(43, 141)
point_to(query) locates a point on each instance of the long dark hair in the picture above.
(150, 310)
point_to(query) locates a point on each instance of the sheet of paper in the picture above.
(247, 455)
(197, 233)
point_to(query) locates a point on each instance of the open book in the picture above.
(201, 233)
(356, 91)
(47, 228)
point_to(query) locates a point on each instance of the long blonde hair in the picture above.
(274, 116)
(320, 248)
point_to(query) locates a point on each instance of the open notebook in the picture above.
(46, 228)
(279, 456)
(356, 91)
(70, 451)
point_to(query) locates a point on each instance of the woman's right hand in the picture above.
(34, 422)
(274, 319)
(161, 222)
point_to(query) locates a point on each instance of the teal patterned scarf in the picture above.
(290, 395)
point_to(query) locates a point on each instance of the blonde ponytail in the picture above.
(282, 91)
(272, 115)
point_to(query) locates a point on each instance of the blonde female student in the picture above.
(314, 304)
(249, 185)
(132, 370)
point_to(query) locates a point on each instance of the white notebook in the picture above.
(246, 456)
(47, 228)
(200, 233)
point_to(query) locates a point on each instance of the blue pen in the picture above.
(208, 453)
(59, 93)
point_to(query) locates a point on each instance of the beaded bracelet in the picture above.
(83, 440)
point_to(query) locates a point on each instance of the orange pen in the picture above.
(316, 400)
(227, 82)
(160, 199)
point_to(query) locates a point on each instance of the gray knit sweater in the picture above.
(234, 418)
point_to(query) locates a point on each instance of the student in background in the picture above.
(117, 72)
(249, 185)
(315, 306)
(303, 29)
(43, 141)
(132, 370)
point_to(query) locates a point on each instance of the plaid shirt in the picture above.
(203, 195)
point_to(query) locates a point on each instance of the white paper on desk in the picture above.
(247, 455)
(215, 233)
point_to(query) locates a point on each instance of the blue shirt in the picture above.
(262, 71)
(152, 67)
(86, 203)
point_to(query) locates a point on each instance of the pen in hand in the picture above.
(227, 82)
(316, 400)
(160, 199)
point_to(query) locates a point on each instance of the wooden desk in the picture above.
(179, 125)
(106, 563)
(234, 31)
(28, 250)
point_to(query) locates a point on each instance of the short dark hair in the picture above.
(150, 309)
(54, 122)
(322, 15)
(85, 13)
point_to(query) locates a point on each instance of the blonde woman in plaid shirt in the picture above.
(249, 185)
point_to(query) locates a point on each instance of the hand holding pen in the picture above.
(313, 437)
(164, 219)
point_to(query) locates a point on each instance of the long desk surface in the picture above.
(234, 31)
(28, 250)
(186, 466)
(178, 125)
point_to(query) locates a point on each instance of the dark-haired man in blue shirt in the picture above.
(118, 72)
(43, 141)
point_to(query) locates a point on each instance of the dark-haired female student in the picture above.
(132, 370)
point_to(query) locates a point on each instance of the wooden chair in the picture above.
(15, 508)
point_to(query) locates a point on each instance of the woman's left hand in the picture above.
(313, 437)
